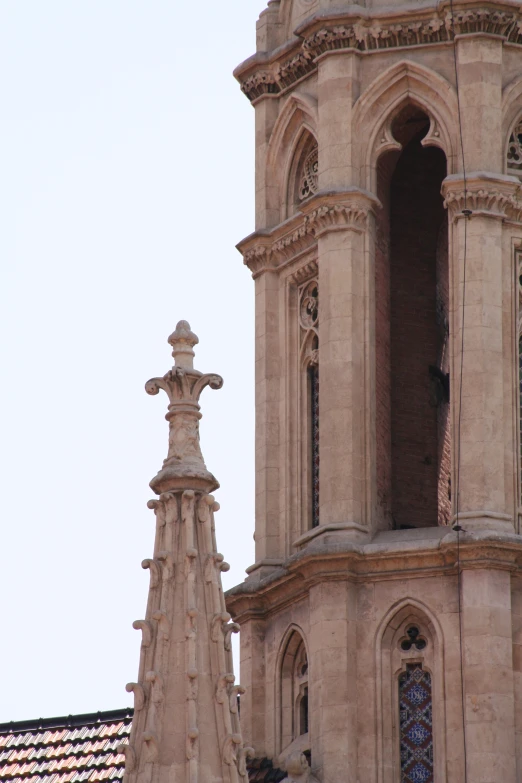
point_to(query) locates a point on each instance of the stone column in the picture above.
(483, 495)
(483, 498)
(343, 292)
(253, 701)
(479, 60)
(332, 683)
(488, 675)
(339, 213)
(267, 416)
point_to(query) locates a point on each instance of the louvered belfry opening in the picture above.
(412, 331)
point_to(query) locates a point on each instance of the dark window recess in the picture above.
(313, 374)
(303, 713)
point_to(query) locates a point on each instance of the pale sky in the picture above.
(126, 179)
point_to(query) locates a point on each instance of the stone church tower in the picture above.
(375, 638)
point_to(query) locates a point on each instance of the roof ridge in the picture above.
(66, 721)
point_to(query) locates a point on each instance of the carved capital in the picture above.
(483, 194)
(325, 211)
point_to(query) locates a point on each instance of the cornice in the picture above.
(325, 211)
(270, 74)
(361, 563)
(484, 194)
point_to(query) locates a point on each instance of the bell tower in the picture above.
(381, 624)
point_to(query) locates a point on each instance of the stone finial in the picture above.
(183, 342)
(184, 467)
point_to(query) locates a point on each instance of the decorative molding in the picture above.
(303, 273)
(368, 34)
(485, 195)
(371, 562)
(326, 211)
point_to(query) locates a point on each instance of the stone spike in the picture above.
(186, 722)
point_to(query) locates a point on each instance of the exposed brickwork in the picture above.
(416, 214)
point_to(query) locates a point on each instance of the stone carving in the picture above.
(187, 623)
(163, 623)
(514, 156)
(491, 200)
(228, 630)
(367, 35)
(155, 572)
(146, 631)
(309, 305)
(309, 178)
(270, 255)
(139, 695)
(298, 770)
(184, 466)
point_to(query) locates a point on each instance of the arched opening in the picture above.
(302, 180)
(294, 693)
(411, 695)
(412, 331)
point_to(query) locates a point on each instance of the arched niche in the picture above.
(412, 346)
(409, 640)
(374, 112)
(291, 141)
(292, 729)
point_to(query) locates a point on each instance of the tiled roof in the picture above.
(81, 749)
(75, 749)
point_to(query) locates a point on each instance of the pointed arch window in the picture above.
(518, 283)
(304, 171)
(309, 323)
(416, 725)
(294, 707)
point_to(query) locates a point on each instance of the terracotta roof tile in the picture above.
(75, 749)
(81, 749)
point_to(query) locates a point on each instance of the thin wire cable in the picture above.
(457, 526)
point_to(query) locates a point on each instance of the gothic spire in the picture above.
(186, 722)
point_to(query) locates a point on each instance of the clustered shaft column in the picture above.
(186, 722)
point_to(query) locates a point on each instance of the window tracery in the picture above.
(309, 176)
(410, 705)
(514, 156)
(309, 323)
(303, 174)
